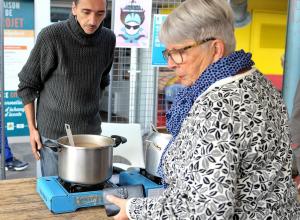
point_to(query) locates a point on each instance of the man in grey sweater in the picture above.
(66, 72)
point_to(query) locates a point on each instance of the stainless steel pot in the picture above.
(155, 144)
(90, 161)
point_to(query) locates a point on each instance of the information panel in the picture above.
(18, 42)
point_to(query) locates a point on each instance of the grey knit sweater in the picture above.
(67, 71)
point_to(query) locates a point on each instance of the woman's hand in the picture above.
(121, 203)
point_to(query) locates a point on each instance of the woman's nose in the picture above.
(171, 63)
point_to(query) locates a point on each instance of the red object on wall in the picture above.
(276, 80)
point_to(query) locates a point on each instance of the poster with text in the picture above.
(132, 23)
(157, 46)
(18, 42)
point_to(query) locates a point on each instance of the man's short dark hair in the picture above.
(76, 2)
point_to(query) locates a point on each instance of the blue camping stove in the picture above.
(62, 197)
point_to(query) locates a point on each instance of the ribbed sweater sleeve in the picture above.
(105, 81)
(34, 72)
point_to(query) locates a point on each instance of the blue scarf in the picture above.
(184, 100)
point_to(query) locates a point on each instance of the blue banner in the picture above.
(157, 46)
(15, 119)
(19, 14)
(18, 41)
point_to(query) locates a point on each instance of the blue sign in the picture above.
(19, 37)
(157, 46)
(15, 118)
(19, 14)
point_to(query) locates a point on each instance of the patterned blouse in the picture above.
(231, 159)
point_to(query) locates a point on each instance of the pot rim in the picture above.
(85, 148)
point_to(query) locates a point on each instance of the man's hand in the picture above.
(121, 203)
(35, 142)
(35, 139)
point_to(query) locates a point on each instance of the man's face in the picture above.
(90, 14)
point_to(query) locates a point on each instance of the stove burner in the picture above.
(75, 187)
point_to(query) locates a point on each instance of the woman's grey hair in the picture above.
(199, 20)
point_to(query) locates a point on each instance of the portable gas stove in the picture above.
(62, 197)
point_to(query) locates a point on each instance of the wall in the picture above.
(265, 37)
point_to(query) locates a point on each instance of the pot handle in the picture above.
(155, 145)
(153, 127)
(53, 144)
(118, 140)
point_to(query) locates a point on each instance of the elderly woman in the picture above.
(230, 156)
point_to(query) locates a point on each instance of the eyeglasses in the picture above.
(176, 54)
(134, 26)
